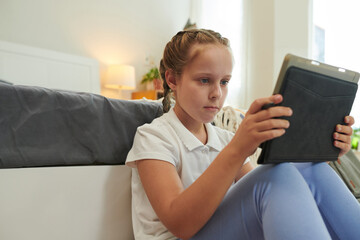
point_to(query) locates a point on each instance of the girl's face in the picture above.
(201, 89)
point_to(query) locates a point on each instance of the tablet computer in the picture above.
(320, 96)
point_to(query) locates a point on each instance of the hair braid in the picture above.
(166, 102)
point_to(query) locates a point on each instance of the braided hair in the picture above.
(175, 55)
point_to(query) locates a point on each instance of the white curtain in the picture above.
(227, 17)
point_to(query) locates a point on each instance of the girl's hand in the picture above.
(342, 135)
(260, 125)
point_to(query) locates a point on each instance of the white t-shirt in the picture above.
(167, 139)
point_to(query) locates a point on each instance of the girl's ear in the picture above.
(170, 77)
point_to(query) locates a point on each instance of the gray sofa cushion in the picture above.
(44, 127)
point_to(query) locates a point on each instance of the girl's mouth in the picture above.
(212, 108)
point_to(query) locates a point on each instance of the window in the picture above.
(226, 18)
(336, 38)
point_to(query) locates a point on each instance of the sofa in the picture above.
(62, 172)
(62, 154)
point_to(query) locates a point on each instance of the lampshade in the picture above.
(121, 77)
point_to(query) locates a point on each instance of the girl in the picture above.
(192, 180)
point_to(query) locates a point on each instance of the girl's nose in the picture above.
(216, 91)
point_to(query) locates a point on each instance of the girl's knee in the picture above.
(270, 178)
(278, 172)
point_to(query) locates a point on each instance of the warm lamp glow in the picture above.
(121, 77)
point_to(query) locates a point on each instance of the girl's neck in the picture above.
(196, 128)
(200, 133)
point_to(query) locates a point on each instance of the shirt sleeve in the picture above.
(151, 143)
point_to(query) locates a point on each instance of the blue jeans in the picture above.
(286, 201)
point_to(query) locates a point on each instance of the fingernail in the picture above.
(277, 97)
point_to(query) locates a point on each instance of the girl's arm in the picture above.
(185, 211)
(245, 169)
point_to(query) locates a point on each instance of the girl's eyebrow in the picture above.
(210, 74)
(203, 73)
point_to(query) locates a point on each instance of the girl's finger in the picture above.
(272, 124)
(273, 112)
(257, 105)
(344, 129)
(342, 138)
(271, 134)
(344, 147)
(349, 120)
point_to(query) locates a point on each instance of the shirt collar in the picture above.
(188, 139)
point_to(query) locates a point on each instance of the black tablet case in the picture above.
(319, 103)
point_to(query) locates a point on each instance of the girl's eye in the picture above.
(224, 82)
(204, 80)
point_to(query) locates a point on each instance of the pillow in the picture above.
(230, 118)
(44, 127)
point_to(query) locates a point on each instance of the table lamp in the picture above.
(121, 77)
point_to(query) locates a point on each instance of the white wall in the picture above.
(275, 27)
(111, 31)
(129, 31)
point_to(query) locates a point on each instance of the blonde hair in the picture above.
(176, 51)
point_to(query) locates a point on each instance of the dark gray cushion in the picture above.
(44, 127)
